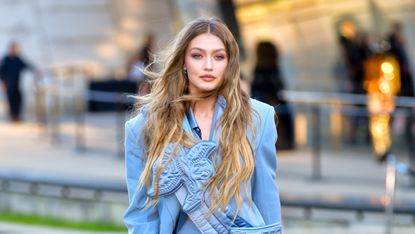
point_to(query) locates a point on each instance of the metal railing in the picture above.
(317, 101)
(49, 118)
(347, 104)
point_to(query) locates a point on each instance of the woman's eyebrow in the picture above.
(198, 48)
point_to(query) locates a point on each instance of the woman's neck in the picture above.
(203, 111)
(204, 108)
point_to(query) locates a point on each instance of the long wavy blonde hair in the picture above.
(169, 100)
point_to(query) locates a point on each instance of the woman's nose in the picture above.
(209, 63)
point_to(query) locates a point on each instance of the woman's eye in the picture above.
(220, 57)
(196, 56)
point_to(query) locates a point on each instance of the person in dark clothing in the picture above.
(355, 50)
(140, 60)
(352, 55)
(397, 49)
(11, 67)
(268, 85)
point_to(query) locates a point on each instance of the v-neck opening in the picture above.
(194, 125)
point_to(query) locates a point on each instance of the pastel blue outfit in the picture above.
(169, 216)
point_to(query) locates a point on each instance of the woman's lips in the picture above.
(207, 77)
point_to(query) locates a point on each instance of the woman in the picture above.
(268, 86)
(200, 155)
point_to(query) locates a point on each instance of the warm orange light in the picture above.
(386, 67)
(382, 82)
(384, 87)
(379, 129)
(389, 76)
(300, 130)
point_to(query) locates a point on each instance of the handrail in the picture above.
(308, 97)
(109, 185)
(347, 203)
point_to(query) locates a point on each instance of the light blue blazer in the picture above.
(167, 216)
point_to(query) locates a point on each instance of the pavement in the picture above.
(347, 171)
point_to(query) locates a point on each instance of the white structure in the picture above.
(98, 33)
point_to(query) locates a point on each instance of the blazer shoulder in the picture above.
(137, 121)
(262, 113)
(260, 107)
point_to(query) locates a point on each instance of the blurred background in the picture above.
(338, 72)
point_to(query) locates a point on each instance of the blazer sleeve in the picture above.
(264, 188)
(137, 219)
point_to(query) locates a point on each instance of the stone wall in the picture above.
(69, 208)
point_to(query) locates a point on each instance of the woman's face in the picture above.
(205, 62)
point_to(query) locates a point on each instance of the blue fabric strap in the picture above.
(209, 226)
(185, 176)
(221, 222)
(268, 229)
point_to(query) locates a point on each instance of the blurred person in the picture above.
(148, 49)
(11, 67)
(135, 67)
(366, 45)
(354, 50)
(138, 62)
(267, 87)
(351, 52)
(398, 49)
(200, 154)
